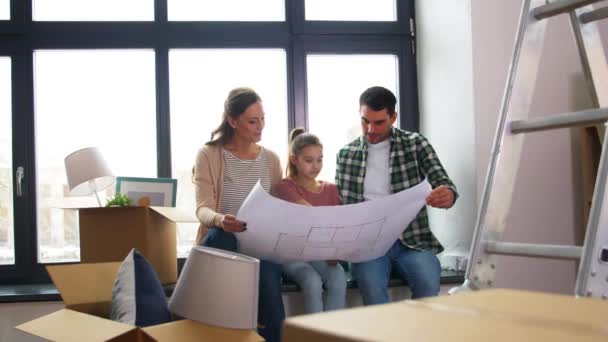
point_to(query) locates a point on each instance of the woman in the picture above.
(226, 170)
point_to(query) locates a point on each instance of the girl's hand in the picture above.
(229, 223)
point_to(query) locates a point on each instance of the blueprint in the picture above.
(282, 231)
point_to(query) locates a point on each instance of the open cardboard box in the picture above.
(86, 290)
(488, 315)
(109, 234)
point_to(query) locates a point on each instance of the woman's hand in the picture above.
(229, 223)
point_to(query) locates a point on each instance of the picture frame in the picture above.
(148, 191)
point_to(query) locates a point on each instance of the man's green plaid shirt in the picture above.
(411, 160)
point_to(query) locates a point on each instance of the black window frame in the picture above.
(404, 10)
(20, 37)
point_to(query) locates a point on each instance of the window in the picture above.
(101, 98)
(200, 81)
(5, 9)
(226, 10)
(93, 10)
(145, 80)
(334, 103)
(7, 247)
(349, 10)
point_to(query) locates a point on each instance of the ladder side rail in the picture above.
(516, 102)
(592, 277)
(593, 59)
(593, 273)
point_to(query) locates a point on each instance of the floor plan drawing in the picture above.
(282, 231)
(329, 242)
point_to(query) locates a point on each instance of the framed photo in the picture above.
(148, 191)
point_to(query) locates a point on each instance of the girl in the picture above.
(302, 187)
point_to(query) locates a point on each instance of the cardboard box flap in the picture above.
(68, 325)
(176, 214)
(85, 206)
(135, 335)
(526, 305)
(190, 331)
(432, 322)
(84, 283)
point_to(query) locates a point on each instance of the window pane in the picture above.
(226, 10)
(102, 98)
(5, 9)
(7, 246)
(93, 10)
(351, 10)
(200, 81)
(334, 85)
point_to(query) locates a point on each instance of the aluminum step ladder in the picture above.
(592, 277)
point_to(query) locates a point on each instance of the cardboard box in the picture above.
(86, 290)
(489, 315)
(109, 234)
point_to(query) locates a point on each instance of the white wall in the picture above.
(464, 53)
(447, 115)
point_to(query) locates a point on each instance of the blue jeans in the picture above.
(311, 276)
(271, 312)
(421, 270)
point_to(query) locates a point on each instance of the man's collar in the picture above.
(394, 135)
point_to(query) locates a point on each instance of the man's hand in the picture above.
(441, 197)
(229, 223)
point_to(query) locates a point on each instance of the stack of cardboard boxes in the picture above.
(107, 235)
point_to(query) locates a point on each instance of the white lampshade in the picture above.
(87, 172)
(219, 288)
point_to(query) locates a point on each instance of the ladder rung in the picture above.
(598, 14)
(559, 7)
(533, 250)
(582, 118)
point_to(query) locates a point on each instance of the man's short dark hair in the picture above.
(378, 98)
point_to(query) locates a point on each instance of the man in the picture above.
(384, 161)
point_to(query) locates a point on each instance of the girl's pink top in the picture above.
(291, 191)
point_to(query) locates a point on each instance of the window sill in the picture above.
(29, 293)
(447, 277)
(48, 292)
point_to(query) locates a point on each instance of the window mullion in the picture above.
(163, 119)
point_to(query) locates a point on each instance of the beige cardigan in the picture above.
(208, 179)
